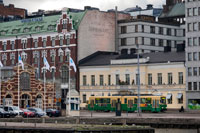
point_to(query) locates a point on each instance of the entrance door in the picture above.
(25, 101)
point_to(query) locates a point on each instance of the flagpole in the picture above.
(44, 70)
(18, 80)
(69, 86)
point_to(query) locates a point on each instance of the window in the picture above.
(168, 31)
(195, 71)
(35, 43)
(117, 79)
(195, 11)
(189, 56)
(44, 42)
(101, 80)
(64, 25)
(24, 44)
(53, 41)
(92, 80)
(142, 28)
(123, 29)
(189, 41)
(189, 71)
(51, 27)
(189, 85)
(52, 58)
(61, 58)
(152, 29)
(12, 45)
(169, 43)
(175, 32)
(137, 79)
(170, 80)
(123, 41)
(195, 41)
(161, 30)
(142, 40)
(37, 29)
(152, 41)
(161, 42)
(25, 81)
(195, 26)
(189, 12)
(61, 41)
(84, 98)
(189, 27)
(159, 78)
(64, 74)
(127, 79)
(169, 98)
(195, 86)
(109, 79)
(35, 60)
(68, 40)
(180, 98)
(84, 80)
(195, 56)
(136, 28)
(26, 30)
(4, 46)
(180, 77)
(149, 79)
(136, 40)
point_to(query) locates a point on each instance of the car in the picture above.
(4, 114)
(53, 112)
(14, 110)
(28, 113)
(38, 111)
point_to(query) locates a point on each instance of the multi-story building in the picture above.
(52, 36)
(151, 36)
(9, 12)
(192, 9)
(108, 73)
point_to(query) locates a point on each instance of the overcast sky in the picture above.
(104, 5)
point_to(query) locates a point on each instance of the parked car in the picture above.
(53, 112)
(14, 110)
(4, 114)
(38, 111)
(28, 113)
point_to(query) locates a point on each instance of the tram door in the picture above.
(155, 103)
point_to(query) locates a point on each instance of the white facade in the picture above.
(151, 36)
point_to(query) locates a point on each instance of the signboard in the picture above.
(32, 20)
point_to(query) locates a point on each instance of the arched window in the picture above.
(38, 101)
(25, 101)
(25, 81)
(8, 100)
(64, 74)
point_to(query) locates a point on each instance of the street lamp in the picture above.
(138, 80)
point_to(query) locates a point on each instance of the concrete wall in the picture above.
(97, 32)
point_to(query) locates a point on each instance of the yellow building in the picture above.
(107, 73)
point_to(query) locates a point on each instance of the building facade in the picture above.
(107, 73)
(32, 92)
(48, 36)
(193, 53)
(151, 36)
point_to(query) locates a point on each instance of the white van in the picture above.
(14, 110)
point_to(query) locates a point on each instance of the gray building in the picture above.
(151, 36)
(193, 53)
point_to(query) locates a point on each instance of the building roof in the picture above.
(177, 10)
(32, 23)
(102, 58)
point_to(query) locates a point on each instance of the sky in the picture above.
(103, 5)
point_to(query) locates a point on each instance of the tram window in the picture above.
(125, 100)
(113, 103)
(106, 100)
(130, 103)
(163, 100)
(135, 100)
(143, 100)
(148, 100)
(97, 100)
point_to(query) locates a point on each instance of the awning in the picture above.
(168, 96)
(179, 96)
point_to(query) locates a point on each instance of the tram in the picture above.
(151, 103)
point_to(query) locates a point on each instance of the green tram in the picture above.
(149, 103)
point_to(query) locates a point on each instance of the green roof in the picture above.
(32, 23)
(177, 10)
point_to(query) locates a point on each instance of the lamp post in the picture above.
(53, 70)
(138, 80)
(69, 101)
